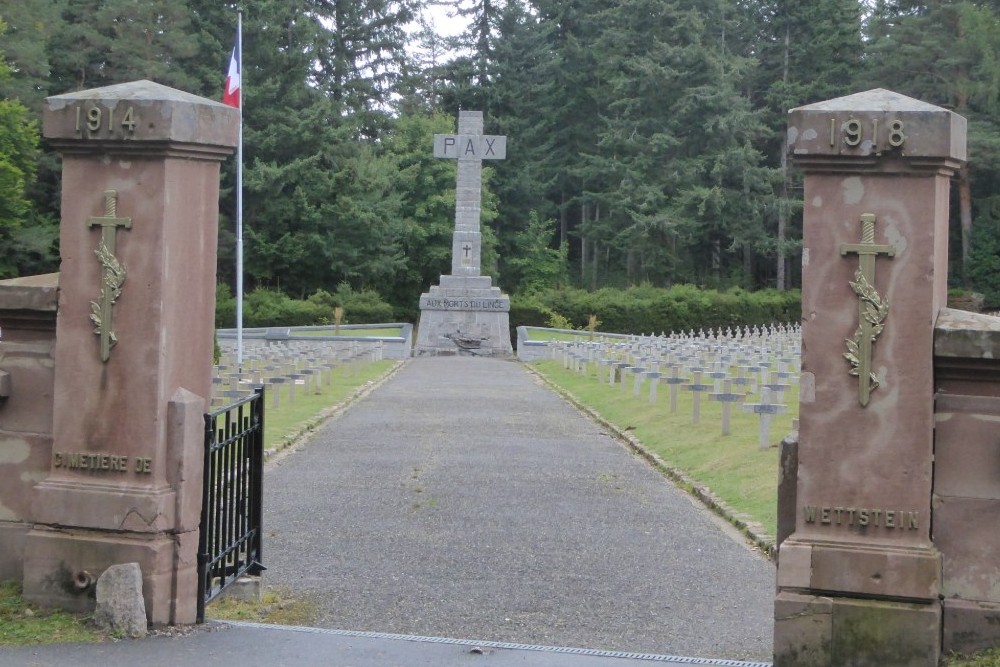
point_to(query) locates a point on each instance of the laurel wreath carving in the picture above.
(874, 311)
(112, 279)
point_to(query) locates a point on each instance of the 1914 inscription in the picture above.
(94, 120)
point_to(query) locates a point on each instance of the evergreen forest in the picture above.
(645, 137)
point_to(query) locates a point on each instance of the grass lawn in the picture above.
(985, 659)
(22, 624)
(732, 466)
(274, 607)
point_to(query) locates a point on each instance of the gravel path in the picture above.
(464, 499)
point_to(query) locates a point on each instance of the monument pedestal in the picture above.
(832, 630)
(464, 315)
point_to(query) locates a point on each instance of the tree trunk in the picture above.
(584, 212)
(747, 268)
(595, 251)
(563, 222)
(593, 273)
(783, 204)
(965, 217)
(717, 262)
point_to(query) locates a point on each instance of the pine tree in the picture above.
(572, 103)
(677, 142)
(808, 51)
(948, 53)
(18, 159)
(104, 42)
(360, 57)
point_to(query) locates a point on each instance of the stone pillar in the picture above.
(133, 352)
(467, 240)
(859, 578)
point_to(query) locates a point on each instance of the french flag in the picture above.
(231, 94)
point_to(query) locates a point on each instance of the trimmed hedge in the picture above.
(644, 310)
(636, 310)
(273, 308)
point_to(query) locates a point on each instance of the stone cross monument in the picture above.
(859, 576)
(466, 313)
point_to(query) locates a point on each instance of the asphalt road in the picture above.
(464, 499)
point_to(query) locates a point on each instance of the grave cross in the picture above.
(470, 147)
(113, 271)
(779, 388)
(872, 308)
(638, 373)
(766, 411)
(697, 388)
(674, 380)
(727, 397)
(654, 380)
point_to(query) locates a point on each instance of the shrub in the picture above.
(645, 309)
(267, 307)
(225, 307)
(364, 306)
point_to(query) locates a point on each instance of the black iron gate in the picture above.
(230, 538)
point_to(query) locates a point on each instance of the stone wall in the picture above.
(966, 501)
(27, 365)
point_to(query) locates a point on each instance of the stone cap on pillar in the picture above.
(877, 130)
(132, 117)
(963, 334)
(36, 293)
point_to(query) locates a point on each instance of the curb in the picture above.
(753, 531)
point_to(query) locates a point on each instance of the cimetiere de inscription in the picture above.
(99, 462)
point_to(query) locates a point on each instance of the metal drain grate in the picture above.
(504, 645)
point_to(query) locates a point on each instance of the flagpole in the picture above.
(239, 203)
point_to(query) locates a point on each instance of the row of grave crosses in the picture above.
(727, 369)
(757, 333)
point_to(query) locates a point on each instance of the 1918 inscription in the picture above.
(854, 132)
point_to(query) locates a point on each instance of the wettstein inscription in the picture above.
(863, 517)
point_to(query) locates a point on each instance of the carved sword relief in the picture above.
(112, 272)
(872, 307)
